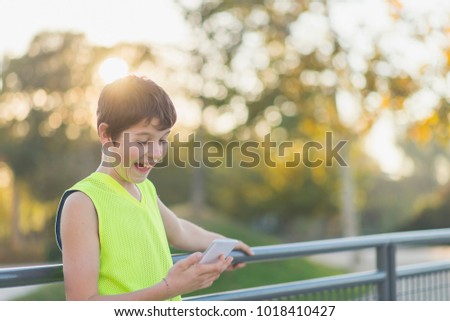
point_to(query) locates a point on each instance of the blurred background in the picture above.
(373, 72)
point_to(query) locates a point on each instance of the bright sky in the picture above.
(105, 22)
(405, 53)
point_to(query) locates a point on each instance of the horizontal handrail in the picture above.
(40, 274)
(30, 275)
(422, 268)
(289, 250)
(292, 288)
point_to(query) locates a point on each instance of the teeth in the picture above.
(146, 165)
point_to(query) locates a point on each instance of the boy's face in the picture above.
(139, 148)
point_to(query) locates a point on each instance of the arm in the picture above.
(187, 236)
(81, 252)
(183, 234)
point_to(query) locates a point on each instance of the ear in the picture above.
(103, 133)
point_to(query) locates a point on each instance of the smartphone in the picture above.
(216, 248)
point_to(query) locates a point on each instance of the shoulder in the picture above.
(148, 187)
(78, 200)
(78, 207)
(79, 221)
(148, 183)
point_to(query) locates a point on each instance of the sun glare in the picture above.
(112, 69)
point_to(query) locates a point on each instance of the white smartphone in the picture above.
(216, 248)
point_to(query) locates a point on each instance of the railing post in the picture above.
(387, 290)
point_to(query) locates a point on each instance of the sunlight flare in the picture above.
(112, 69)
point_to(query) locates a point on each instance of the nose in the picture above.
(156, 151)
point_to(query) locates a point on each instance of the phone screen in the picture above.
(216, 248)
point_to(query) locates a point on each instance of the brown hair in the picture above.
(129, 100)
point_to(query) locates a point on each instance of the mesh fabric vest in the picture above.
(134, 252)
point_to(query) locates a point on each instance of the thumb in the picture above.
(191, 260)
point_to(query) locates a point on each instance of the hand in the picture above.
(244, 248)
(187, 275)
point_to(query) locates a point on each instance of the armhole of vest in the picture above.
(58, 216)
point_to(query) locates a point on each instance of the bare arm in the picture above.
(81, 252)
(183, 234)
(187, 236)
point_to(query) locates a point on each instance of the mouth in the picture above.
(142, 167)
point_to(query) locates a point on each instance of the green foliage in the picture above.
(39, 160)
(435, 213)
(49, 292)
(417, 201)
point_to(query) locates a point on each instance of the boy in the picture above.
(112, 228)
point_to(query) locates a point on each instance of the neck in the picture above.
(111, 171)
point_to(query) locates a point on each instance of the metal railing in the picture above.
(387, 280)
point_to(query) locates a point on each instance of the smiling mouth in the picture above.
(144, 166)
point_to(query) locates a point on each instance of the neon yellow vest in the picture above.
(134, 252)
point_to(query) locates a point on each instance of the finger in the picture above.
(207, 283)
(227, 263)
(223, 263)
(190, 260)
(244, 248)
(224, 260)
(211, 268)
(236, 266)
(216, 268)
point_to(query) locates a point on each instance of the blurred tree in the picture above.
(428, 186)
(285, 67)
(434, 212)
(47, 107)
(252, 81)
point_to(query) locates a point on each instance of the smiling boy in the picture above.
(113, 230)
